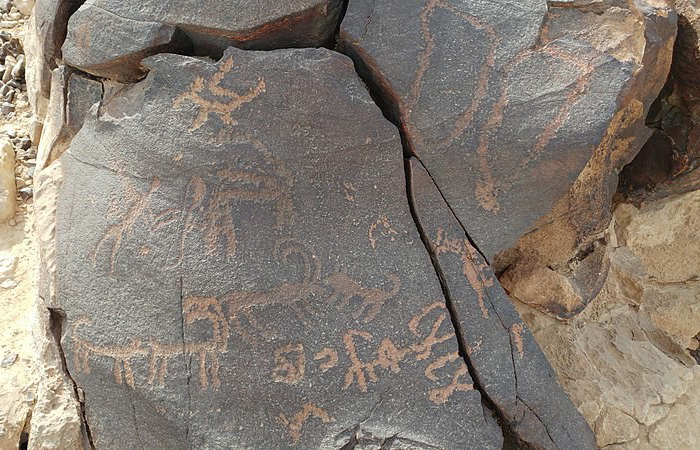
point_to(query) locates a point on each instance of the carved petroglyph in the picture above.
(477, 274)
(517, 331)
(330, 356)
(388, 357)
(291, 364)
(137, 208)
(121, 354)
(160, 353)
(344, 288)
(296, 422)
(442, 394)
(349, 192)
(467, 115)
(296, 295)
(225, 101)
(424, 348)
(385, 229)
(486, 189)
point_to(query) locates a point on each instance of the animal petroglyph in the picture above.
(121, 354)
(160, 353)
(291, 364)
(385, 229)
(217, 99)
(297, 421)
(345, 288)
(296, 295)
(138, 208)
(477, 274)
(212, 206)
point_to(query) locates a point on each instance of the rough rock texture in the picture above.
(630, 360)
(43, 40)
(8, 190)
(510, 367)
(260, 230)
(109, 38)
(507, 128)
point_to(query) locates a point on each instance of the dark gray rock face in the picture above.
(523, 114)
(509, 364)
(238, 267)
(109, 38)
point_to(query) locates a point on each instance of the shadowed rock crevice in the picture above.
(57, 319)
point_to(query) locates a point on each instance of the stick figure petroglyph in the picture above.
(228, 100)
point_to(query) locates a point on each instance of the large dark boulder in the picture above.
(238, 266)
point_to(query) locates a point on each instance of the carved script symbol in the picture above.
(291, 364)
(296, 423)
(224, 108)
(382, 224)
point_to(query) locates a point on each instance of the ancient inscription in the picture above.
(210, 206)
(158, 353)
(384, 228)
(477, 275)
(210, 97)
(329, 358)
(517, 331)
(297, 421)
(291, 364)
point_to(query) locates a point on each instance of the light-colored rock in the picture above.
(8, 190)
(625, 360)
(7, 265)
(24, 6)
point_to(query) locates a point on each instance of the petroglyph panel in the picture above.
(242, 274)
(511, 367)
(504, 116)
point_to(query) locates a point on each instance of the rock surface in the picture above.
(507, 127)
(261, 238)
(8, 189)
(630, 360)
(109, 38)
(510, 366)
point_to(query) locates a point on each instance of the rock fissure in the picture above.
(56, 320)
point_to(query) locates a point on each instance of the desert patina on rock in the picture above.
(508, 363)
(238, 274)
(110, 38)
(506, 105)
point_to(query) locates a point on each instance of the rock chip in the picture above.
(109, 38)
(240, 283)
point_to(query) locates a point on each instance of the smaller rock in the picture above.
(10, 97)
(12, 222)
(15, 84)
(6, 108)
(8, 190)
(15, 15)
(18, 69)
(25, 142)
(25, 7)
(8, 284)
(5, 6)
(8, 360)
(27, 192)
(5, 88)
(10, 62)
(11, 134)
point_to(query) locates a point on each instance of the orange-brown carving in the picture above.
(291, 364)
(117, 232)
(331, 359)
(195, 309)
(476, 274)
(424, 348)
(296, 423)
(296, 295)
(349, 193)
(517, 330)
(442, 394)
(217, 100)
(121, 354)
(464, 120)
(389, 356)
(211, 209)
(386, 230)
(345, 288)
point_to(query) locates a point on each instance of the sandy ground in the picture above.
(18, 261)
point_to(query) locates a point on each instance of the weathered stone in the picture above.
(8, 189)
(110, 38)
(72, 97)
(236, 227)
(45, 35)
(506, 359)
(522, 115)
